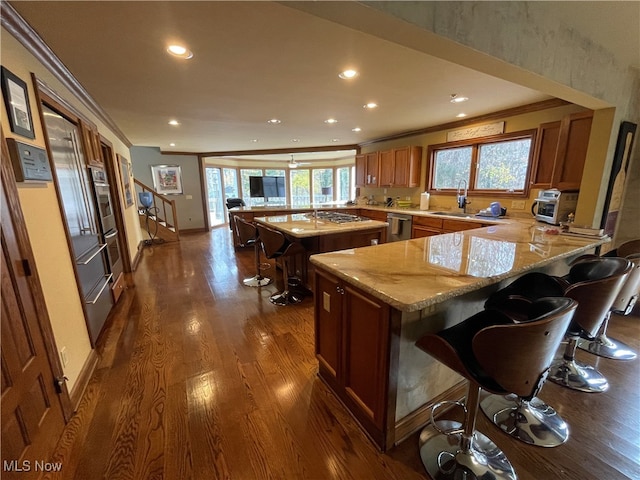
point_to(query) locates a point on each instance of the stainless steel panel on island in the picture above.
(424, 285)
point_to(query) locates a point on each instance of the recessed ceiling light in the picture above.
(295, 140)
(274, 121)
(172, 144)
(254, 140)
(461, 115)
(331, 120)
(335, 139)
(174, 122)
(456, 99)
(179, 51)
(357, 129)
(347, 74)
(370, 105)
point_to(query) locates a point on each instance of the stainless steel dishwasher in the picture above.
(399, 227)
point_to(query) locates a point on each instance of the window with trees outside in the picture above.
(497, 164)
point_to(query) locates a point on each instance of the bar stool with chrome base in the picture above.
(529, 419)
(602, 345)
(594, 283)
(500, 355)
(248, 235)
(276, 245)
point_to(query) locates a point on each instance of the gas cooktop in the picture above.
(336, 217)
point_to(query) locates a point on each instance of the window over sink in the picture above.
(499, 163)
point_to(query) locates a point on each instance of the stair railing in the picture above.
(165, 208)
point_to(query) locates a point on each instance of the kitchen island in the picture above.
(320, 233)
(372, 304)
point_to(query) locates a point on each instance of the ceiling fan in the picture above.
(294, 164)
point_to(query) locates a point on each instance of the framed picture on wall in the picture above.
(167, 179)
(16, 99)
(125, 177)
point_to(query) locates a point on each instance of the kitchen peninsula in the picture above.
(373, 303)
(320, 232)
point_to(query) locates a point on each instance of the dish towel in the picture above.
(396, 226)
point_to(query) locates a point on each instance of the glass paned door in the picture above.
(300, 191)
(214, 196)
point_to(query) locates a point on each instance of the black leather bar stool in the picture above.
(594, 283)
(501, 355)
(528, 419)
(602, 345)
(233, 203)
(276, 245)
(248, 235)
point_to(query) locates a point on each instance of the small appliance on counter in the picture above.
(424, 201)
(494, 210)
(553, 206)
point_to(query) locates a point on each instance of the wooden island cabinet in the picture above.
(372, 304)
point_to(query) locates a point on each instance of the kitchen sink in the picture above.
(454, 214)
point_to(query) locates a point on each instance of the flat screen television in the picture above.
(267, 187)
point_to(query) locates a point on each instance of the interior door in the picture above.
(32, 413)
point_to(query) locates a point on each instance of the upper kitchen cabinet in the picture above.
(398, 167)
(561, 150)
(367, 170)
(91, 144)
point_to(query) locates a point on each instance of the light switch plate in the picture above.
(326, 301)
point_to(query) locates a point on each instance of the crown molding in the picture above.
(11, 20)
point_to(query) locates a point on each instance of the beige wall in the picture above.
(43, 219)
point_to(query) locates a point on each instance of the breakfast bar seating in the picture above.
(248, 235)
(500, 354)
(275, 246)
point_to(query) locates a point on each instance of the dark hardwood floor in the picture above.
(200, 377)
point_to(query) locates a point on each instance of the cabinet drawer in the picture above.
(418, 231)
(374, 215)
(428, 221)
(458, 225)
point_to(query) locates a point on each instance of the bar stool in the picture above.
(248, 235)
(528, 419)
(594, 283)
(276, 245)
(500, 355)
(602, 345)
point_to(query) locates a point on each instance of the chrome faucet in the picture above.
(462, 198)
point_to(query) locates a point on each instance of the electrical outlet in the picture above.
(63, 356)
(517, 204)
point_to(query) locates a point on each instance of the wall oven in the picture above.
(106, 216)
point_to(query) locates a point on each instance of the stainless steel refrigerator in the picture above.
(78, 202)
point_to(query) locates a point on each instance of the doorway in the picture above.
(222, 183)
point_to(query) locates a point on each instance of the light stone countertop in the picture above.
(414, 274)
(299, 225)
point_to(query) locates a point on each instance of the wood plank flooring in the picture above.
(201, 377)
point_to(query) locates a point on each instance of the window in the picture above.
(300, 191)
(322, 185)
(345, 183)
(496, 164)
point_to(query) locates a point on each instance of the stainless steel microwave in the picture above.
(553, 206)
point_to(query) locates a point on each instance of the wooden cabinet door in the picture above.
(361, 170)
(545, 154)
(449, 225)
(328, 325)
(91, 145)
(418, 231)
(386, 168)
(572, 150)
(401, 167)
(372, 169)
(366, 334)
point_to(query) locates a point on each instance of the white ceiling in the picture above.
(253, 61)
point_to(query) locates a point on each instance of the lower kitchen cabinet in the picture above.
(353, 332)
(424, 226)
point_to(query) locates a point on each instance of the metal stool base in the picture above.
(578, 376)
(257, 281)
(606, 347)
(444, 460)
(285, 298)
(532, 422)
